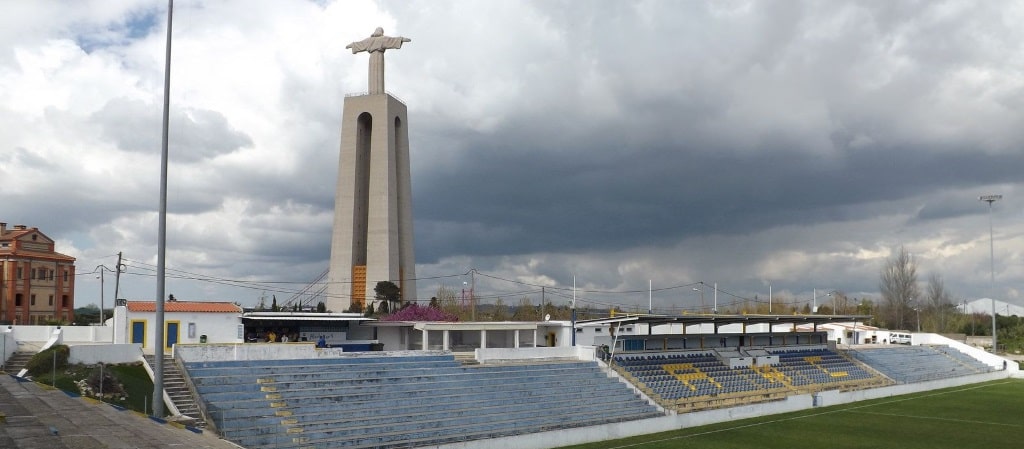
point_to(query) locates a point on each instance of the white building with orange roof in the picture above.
(184, 322)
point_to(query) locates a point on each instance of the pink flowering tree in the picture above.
(414, 312)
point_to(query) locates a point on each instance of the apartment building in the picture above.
(37, 284)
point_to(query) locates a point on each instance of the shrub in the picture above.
(42, 363)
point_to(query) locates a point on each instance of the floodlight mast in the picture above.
(992, 263)
(158, 339)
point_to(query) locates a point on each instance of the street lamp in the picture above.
(102, 269)
(701, 290)
(814, 300)
(992, 262)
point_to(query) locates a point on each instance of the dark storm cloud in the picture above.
(602, 193)
(726, 122)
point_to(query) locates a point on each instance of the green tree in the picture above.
(87, 315)
(389, 294)
(273, 305)
(355, 307)
(321, 307)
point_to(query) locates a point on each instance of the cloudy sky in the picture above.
(626, 143)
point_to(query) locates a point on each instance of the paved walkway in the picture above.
(32, 417)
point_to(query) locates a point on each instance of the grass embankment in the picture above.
(126, 385)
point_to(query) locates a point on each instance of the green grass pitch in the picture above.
(986, 415)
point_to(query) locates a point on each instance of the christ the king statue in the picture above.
(375, 46)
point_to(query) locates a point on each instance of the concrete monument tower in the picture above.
(372, 236)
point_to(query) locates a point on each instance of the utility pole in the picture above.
(117, 278)
(573, 330)
(543, 304)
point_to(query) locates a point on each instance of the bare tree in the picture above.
(500, 311)
(840, 303)
(899, 287)
(526, 311)
(449, 304)
(939, 301)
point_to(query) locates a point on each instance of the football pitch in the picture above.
(985, 415)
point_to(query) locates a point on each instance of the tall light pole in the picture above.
(161, 243)
(992, 262)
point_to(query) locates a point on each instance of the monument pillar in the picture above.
(372, 237)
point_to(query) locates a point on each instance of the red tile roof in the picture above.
(185, 306)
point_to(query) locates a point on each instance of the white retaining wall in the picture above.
(221, 352)
(93, 354)
(484, 355)
(216, 352)
(8, 345)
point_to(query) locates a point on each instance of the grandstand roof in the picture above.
(720, 320)
(304, 316)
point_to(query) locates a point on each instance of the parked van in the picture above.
(900, 338)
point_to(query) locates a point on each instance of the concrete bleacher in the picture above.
(678, 377)
(816, 366)
(403, 401)
(908, 364)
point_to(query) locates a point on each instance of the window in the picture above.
(33, 274)
(32, 301)
(51, 300)
(51, 275)
(20, 274)
(65, 275)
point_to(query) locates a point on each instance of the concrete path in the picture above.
(32, 417)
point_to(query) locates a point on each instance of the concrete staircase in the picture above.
(17, 362)
(178, 391)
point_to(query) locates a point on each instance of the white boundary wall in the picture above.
(985, 357)
(69, 334)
